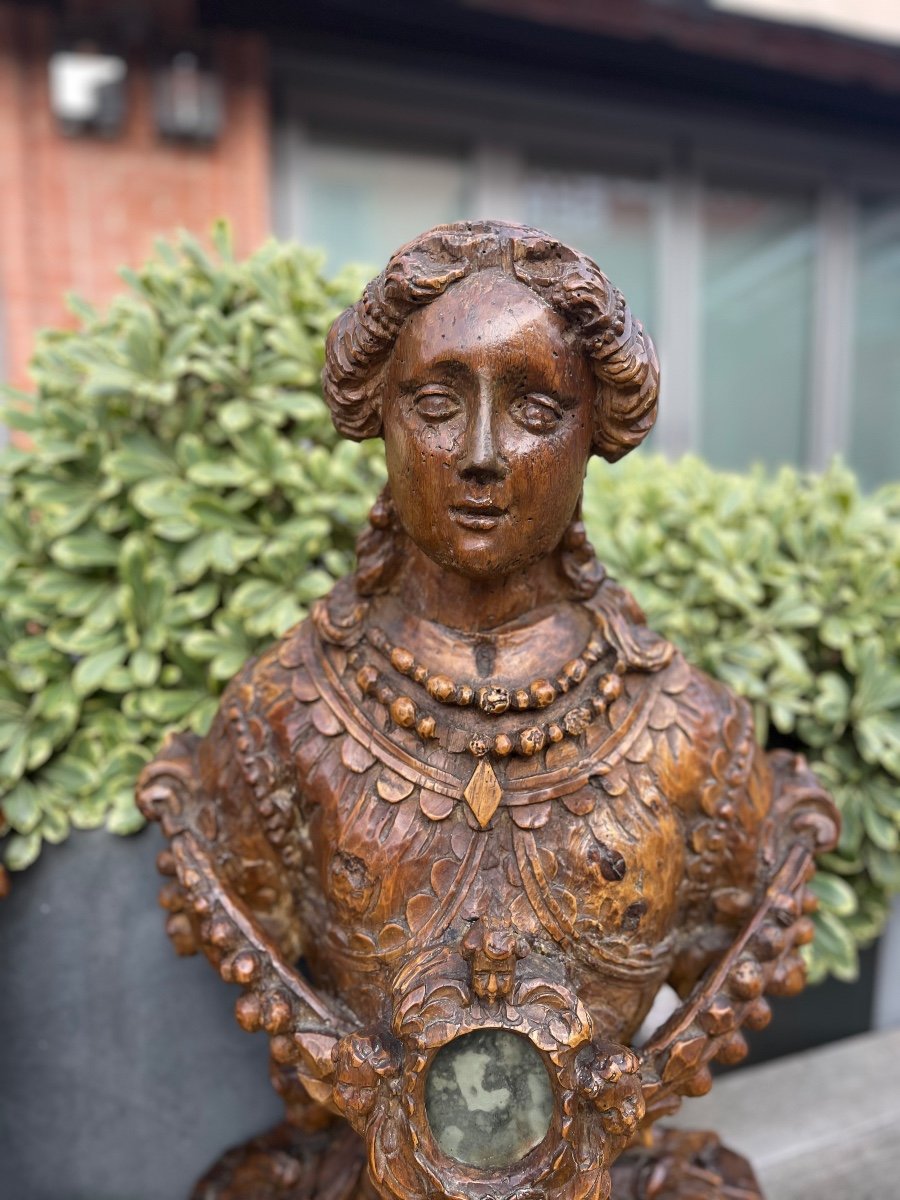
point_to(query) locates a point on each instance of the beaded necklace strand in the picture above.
(492, 699)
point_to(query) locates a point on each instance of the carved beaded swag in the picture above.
(484, 806)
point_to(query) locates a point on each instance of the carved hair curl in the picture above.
(621, 353)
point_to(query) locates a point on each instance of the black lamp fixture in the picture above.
(187, 98)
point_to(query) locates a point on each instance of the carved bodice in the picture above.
(596, 850)
(652, 842)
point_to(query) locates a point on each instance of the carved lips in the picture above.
(480, 515)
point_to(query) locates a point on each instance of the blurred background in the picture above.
(732, 165)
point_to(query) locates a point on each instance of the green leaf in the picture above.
(878, 737)
(834, 940)
(226, 473)
(227, 663)
(145, 668)
(314, 584)
(794, 613)
(885, 795)
(196, 558)
(254, 594)
(236, 416)
(141, 457)
(8, 732)
(89, 813)
(832, 703)
(201, 715)
(884, 867)
(93, 670)
(168, 707)
(881, 829)
(878, 685)
(125, 821)
(22, 850)
(835, 895)
(203, 644)
(54, 826)
(192, 606)
(21, 807)
(840, 865)
(13, 761)
(85, 550)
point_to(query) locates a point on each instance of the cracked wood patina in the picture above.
(475, 797)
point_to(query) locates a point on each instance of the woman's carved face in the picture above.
(487, 409)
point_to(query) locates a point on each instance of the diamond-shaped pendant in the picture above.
(483, 792)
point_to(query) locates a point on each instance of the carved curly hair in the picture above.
(621, 354)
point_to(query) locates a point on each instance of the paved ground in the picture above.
(823, 1125)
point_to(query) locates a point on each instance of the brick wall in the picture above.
(73, 209)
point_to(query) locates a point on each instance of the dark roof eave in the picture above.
(451, 38)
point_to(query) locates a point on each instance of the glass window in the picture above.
(875, 382)
(610, 219)
(756, 290)
(363, 203)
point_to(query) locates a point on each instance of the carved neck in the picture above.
(471, 605)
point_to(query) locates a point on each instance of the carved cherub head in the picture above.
(494, 361)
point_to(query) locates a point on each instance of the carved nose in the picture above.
(481, 460)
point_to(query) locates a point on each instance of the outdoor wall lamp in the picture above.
(187, 99)
(87, 90)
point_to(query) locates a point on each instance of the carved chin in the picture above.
(486, 554)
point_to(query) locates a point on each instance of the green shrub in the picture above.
(186, 497)
(787, 589)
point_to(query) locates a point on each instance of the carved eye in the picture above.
(537, 412)
(435, 403)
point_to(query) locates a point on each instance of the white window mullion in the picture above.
(678, 335)
(496, 183)
(833, 329)
(290, 169)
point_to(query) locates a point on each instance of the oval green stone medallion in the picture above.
(488, 1098)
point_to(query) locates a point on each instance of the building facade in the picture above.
(737, 178)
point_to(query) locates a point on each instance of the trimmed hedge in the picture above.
(185, 497)
(788, 590)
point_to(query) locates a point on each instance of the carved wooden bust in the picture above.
(452, 833)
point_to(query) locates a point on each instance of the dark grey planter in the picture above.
(122, 1070)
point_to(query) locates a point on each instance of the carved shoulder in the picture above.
(744, 812)
(232, 793)
(711, 750)
(716, 771)
(624, 626)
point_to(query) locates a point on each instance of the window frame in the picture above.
(685, 147)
